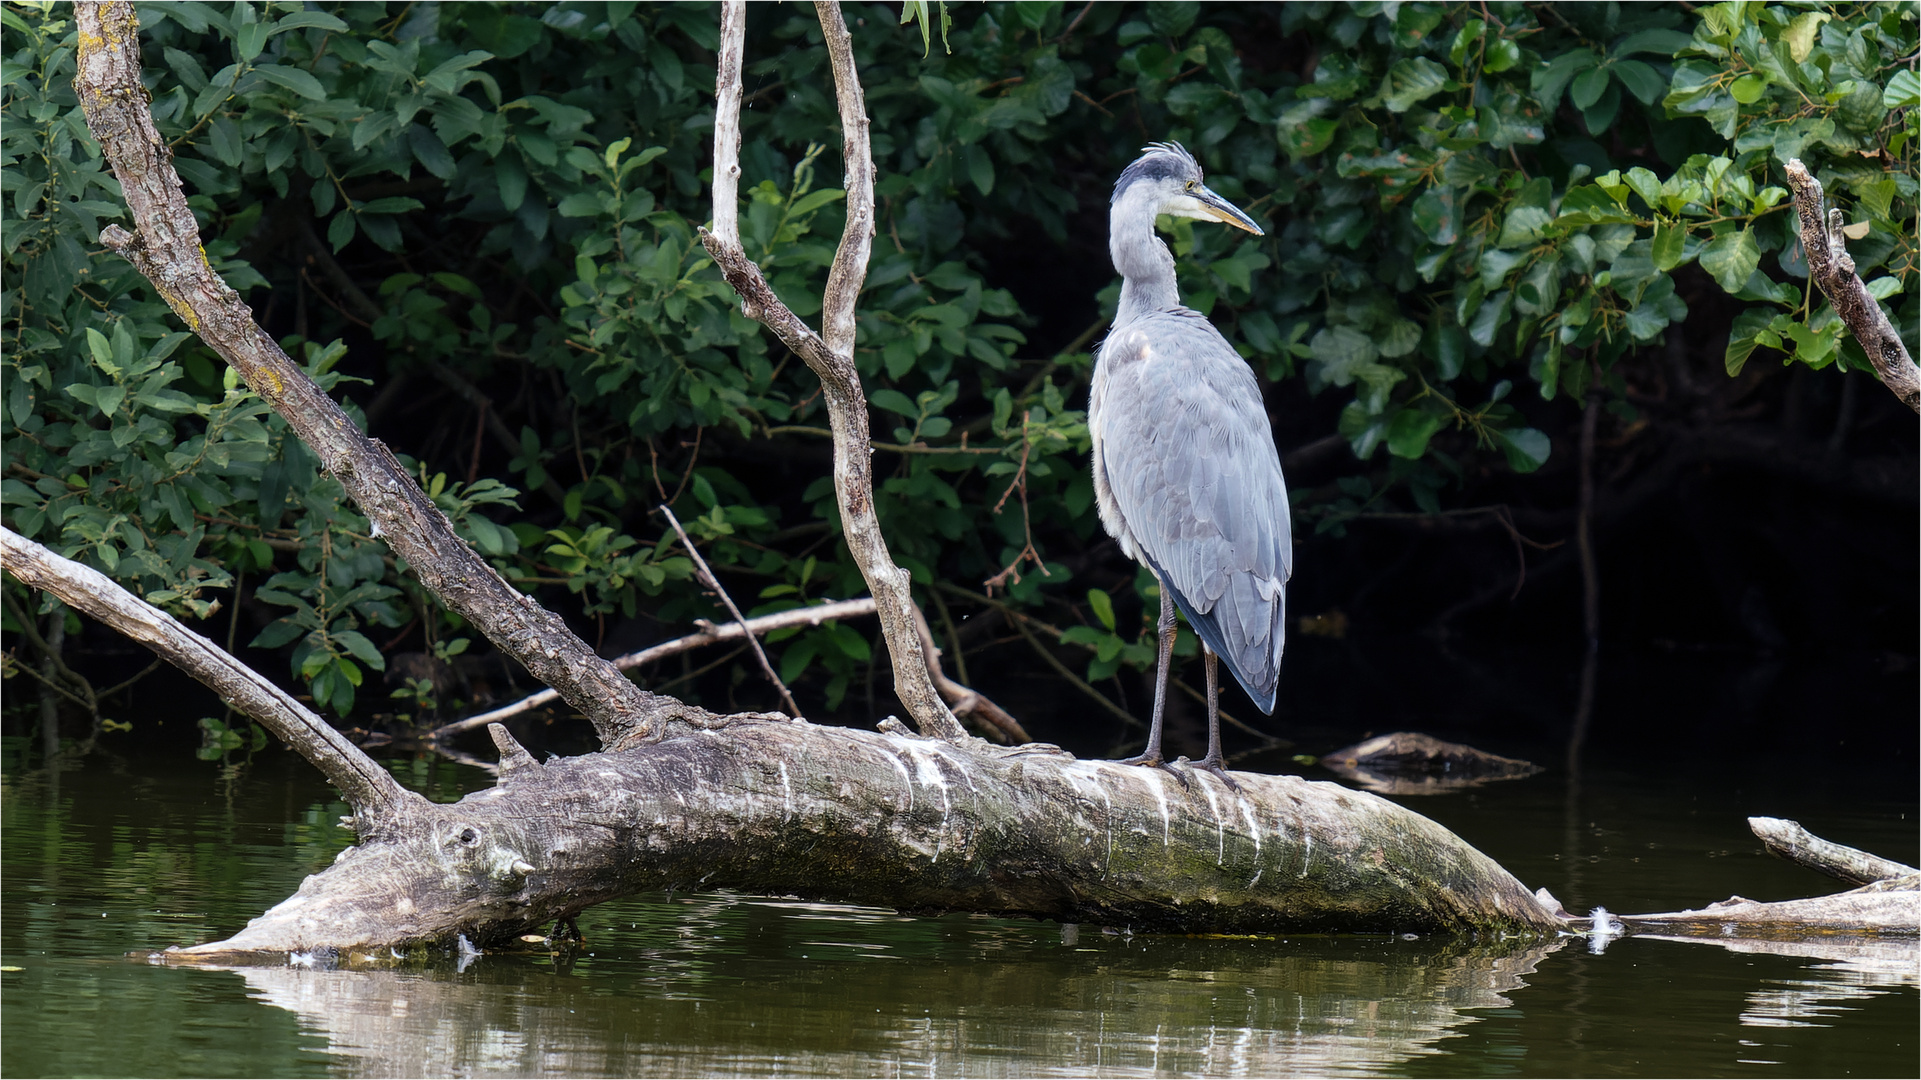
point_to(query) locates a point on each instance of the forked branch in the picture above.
(830, 356)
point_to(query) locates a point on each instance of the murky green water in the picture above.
(125, 854)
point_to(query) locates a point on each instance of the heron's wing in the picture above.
(1190, 460)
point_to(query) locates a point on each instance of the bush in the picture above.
(498, 202)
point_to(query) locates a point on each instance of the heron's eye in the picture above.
(1193, 186)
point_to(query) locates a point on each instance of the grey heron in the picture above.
(1185, 470)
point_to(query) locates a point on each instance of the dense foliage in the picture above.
(476, 223)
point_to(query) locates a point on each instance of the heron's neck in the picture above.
(1146, 266)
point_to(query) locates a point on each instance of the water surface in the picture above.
(116, 854)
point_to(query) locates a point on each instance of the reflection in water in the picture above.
(1858, 968)
(719, 986)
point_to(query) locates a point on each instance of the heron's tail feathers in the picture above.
(1248, 641)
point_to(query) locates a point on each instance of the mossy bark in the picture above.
(784, 807)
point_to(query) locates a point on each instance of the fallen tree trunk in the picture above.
(765, 804)
(771, 805)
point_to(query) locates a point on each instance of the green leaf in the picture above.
(357, 644)
(1502, 54)
(300, 20)
(1731, 259)
(1748, 88)
(249, 40)
(980, 168)
(293, 79)
(511, 175)
(1524, 225)
(1903, 91)
(1408, 433)
(392, 204)
(1103, 606)
(1661, 42)
(340, 231)
(1669, 243)
(1410, 82)
(1741, 337)
(1641, 80)
(1588, 87)
(1470, 32)
(1646, 185)
(579, 204)
(431, 152)
(1551, 78)
(277, 633)
(1435, 213)
(102, 351)
(1800, 33)
(1526, 448)
(894, 402)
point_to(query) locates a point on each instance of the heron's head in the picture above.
(1167, 180)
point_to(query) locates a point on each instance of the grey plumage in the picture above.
(1186, 473)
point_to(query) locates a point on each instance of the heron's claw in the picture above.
(1156, 761)
(1218, 767)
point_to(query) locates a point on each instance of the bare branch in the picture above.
(708, 579)
(845, 277)
(710, 634)
(1832, 268)
(831, 359)
(377, 798)
(167, 252)
(1856, 867)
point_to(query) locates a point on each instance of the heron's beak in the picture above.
(1215, 208)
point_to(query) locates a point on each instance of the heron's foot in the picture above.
(1153, 760)
(1215, 764)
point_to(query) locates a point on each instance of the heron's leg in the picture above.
(1152, 755)
(1213, 762)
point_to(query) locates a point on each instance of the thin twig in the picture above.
(1021, 622)
(1027, 531)
(710, 634)
(708, 579)
(953, 637)
(965, 700)
(1078, 683)
(1075, 25)
(1583, 530)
